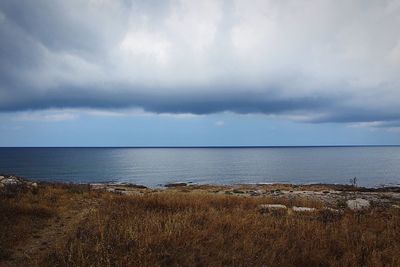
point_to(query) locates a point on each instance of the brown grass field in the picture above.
(71, 225)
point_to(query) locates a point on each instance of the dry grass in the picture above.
(203, 229)
(209, 230)
(21, 214)
(26, 212)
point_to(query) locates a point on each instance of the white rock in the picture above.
(303, 209)
(34, 185)
(1, 177)
(358, 204)
(9, 181)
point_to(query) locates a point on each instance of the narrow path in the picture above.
(55, 231)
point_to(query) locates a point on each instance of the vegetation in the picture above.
(191, 229)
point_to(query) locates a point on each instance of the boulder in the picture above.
(358, 204)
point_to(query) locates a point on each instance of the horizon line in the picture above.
(244, 146)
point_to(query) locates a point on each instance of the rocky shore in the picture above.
(332, 196)
(10, 185)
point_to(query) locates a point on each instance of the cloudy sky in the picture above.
(176, 73)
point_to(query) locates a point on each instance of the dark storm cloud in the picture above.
(330, 61)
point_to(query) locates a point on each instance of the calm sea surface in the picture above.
(373, 166)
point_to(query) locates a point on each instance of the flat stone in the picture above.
(303, 209)
(358, 204)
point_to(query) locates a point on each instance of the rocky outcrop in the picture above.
(10, 185)
(358, 204)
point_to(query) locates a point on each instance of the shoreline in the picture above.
(331, 195)
(337, 186)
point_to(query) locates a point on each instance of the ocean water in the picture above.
(373, 166)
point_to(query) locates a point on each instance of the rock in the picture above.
(9, 181)
(175, 184)
(303, 209)
(396, 207)
(358, 204)
(1, 177)
(276, 209)
(34, 185)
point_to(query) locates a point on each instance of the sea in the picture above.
(374, 166)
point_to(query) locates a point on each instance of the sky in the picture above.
(199, 73)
